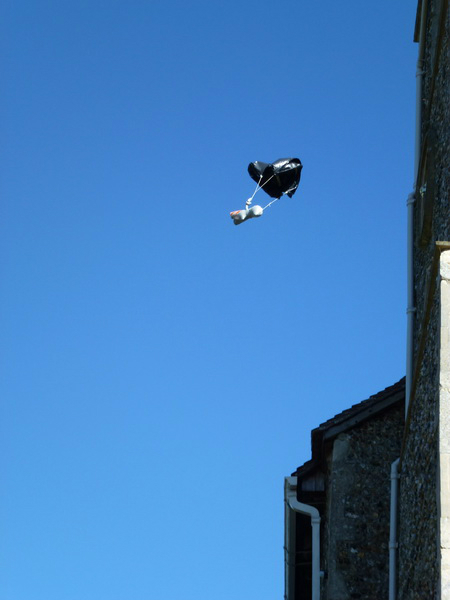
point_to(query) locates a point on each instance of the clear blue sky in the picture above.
(162, 368)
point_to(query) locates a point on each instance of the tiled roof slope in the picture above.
(373, 401)
(349, 418)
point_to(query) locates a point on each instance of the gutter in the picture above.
(292, 505)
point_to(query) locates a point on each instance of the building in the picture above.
(347, 482)
(368, 516)
(424, 485)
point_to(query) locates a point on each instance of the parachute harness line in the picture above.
(267, 205)
(284, 194)
(260, 187)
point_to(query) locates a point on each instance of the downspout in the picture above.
(393, 541)
(292, 505)
(411, 309)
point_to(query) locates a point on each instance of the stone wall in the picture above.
(433, 203)
(356, 524)
(418, 566)
(419, 482)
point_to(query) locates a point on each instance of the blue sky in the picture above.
(162, 369)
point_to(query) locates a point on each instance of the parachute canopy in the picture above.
(278, 178)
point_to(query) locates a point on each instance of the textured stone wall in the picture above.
(418, 515)
(435, 143)
(356, 525)
(418, 557)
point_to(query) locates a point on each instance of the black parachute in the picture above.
(278, 178)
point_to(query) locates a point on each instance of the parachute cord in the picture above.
(261, 187)
(290, 190)
(249, 201)
(267, 206)
(258, 187)
(284, 194)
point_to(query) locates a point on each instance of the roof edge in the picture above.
(348, 419)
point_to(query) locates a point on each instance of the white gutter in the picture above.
(293, 505)
(393, 541)
(411, 309)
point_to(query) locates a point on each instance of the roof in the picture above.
(353, 416)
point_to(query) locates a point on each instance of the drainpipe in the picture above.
(393, 541)
(411, 309)
(292, 505)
